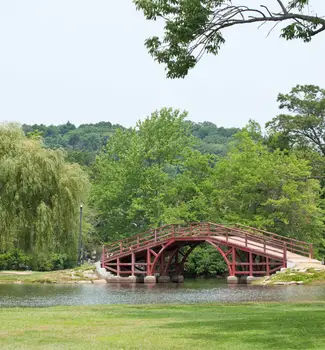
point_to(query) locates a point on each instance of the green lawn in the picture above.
(244, 326)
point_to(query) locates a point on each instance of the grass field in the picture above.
(244, 326)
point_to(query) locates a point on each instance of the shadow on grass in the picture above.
(272, 329)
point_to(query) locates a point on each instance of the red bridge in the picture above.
(162, 252)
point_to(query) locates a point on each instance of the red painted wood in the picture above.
(118, 266)
(233, 261)
(148, 263)
(250, 257)
(132, 262)
(159, 243)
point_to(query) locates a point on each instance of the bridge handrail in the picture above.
(271, 233)
(255, 238)
(136, 239)
(277, 245)
(149, 236)
(292, 243)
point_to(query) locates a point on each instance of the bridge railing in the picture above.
(254, 239)
(293, 245)
(250, 241)
(139, 240)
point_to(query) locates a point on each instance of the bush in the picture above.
(52, 261)
(14, 260)
(205, 261)
(17, 260)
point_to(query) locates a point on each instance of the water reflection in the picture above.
(192, 291)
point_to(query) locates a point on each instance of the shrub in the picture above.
(205, 261)
(52, 261)
(17, 260)
(14, 260)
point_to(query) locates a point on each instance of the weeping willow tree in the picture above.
(40, 195)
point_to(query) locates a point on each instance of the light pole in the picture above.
(80, 253)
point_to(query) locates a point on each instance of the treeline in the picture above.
(164, 170)
(81, 143)
(84, 142)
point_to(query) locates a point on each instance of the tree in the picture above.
(149, 176)
(40, 195)
(271, 190)
(195, 27)
(305, 125)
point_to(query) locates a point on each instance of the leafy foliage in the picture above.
(212, 139)
(152, 175)
(165, 170)
(267, 189)
(195, 27)
(149, 176)
(81, 143)
(14, 259)
(39, 197)
(205, 261)
(305, 125)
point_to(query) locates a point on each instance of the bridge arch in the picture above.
(165, 269)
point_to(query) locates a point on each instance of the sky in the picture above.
(84, 61)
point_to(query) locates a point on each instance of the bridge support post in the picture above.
(232, 280)
(150, 279)
(233, 263)
(250, 258)
(118, 267)
(178, 278)
(267, 266)
(132, 263)
(148, 262)
(163, 279)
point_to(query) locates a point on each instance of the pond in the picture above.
(192, 291)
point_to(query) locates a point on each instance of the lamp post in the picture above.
(80, 253)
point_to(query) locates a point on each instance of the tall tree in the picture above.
(304, 125)
(195, 27)
(148, 176)
(40, 195)
(271, 190)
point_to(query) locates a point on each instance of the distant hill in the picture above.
(213, 139)
(82, 143)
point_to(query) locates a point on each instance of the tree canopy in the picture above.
(40, 195)
(304, 126)
(84, 142)
(195, 27)
(149, 175)
(152, 175)
(165, 170)
(81, 143)
(267, 189)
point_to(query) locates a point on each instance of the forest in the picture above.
(164, 170)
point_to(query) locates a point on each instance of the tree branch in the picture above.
(285, 11)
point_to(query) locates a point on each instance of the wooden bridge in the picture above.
(160, 254)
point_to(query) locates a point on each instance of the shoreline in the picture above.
(84, 274)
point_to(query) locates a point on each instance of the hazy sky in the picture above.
(85, 61)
